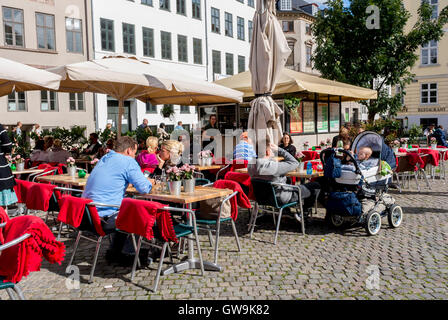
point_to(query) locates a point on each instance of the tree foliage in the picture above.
(348, 51)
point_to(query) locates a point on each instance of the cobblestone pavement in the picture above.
(325, 264)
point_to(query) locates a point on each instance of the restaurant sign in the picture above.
(432, 109)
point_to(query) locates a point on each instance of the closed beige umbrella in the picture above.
(21, 77)
(126, 78)
(268, 54)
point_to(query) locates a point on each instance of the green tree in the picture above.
(348, 51)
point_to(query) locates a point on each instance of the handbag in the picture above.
(209, 209)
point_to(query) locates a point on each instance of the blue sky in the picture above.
(320, 2)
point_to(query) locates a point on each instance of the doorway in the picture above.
(112, 114)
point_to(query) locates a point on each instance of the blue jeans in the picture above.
(121, 242)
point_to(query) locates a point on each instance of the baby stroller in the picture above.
(359, 196)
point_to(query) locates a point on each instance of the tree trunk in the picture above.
(372, 113)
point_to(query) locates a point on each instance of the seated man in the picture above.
(94, 145)
(244, 150)
(108, 182)
(364, 160)
(268, 168)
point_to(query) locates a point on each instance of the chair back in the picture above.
(21, 189)
(40, 195)
(264, 193)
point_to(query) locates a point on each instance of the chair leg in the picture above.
(59, 232)
(19, 292)
(252, 214)
(236, 235)
(416, 180)
(278, 225)
(210, 236)
(78, 237)
(159, 269)
(11, 294)
(137, 251)
(170, 254)
(218, 227)
(95, 259)
(426, 179)
(199, 247)
(254, 221)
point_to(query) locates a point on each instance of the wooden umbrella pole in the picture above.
(120, 115)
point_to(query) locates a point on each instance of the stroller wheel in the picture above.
(395, 216)
(336, 220)
(373, 223)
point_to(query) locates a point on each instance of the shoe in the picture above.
(125, 260)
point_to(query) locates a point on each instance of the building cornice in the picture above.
(295, 14)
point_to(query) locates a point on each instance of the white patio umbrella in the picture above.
(268, 54)
(21, 77)
(127, 77)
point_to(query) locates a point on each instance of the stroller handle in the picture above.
(324, 153)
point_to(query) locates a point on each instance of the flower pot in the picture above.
(174, 187)
(395, 149)
(71, 171)
(404, 145)
(201, 162)
(20, 166)
(208, 161)
(189, 185)
(433, 145)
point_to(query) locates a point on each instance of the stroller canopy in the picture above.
(368, 139)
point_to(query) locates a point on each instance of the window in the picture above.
(428, 93)
(240, 28)
(290, 61)
(250, 3)
(165, 5)
(48, 101)
(285, 5)
(435, 7)
(16, 101)
(76, 101)
(288, 26)
(216, 61)
(215, 21)
(107, 35)
(128, 38)
(148, 42)
(180, 7)
(242, 1)
(429, 53)
(241, 64)
(45, 31)
(184, 109)
(147, 2)
(13, 26)
(150, 108)
(196, 7)
(228, 24)
(308, 29)
(250, 27)
(229, 64)
(166, 44)
(308, 56)
(197, 51)
(73, 28)
(182, 48)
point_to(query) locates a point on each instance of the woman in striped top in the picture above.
(7, 182)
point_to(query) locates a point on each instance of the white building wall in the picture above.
(133, 12)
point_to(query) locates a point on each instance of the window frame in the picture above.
(213, 61)
(45, 30)
(428, 51)
(241, 33)
(164, 2)
(197, 50)
(428, 90)
(146, 38)
(109, 32)
(232, 64)
(194, 4)
(184, 7)
(131, 40)
(215, 20)
(250, 30)
(150, 110)
(162, 33)
(13, 27)
(56, 104)
(76, 100)
(73, 38)
(239, 63)
(185, 110)
(147, 4)
(179, 37)
(228, 24)
(16, 101)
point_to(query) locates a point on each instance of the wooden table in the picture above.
(28, 171)
(212, 167)
(303, 175)
(186, 199)
(400, 154)
(65, 179)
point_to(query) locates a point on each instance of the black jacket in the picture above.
(6, 177)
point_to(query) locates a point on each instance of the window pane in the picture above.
(433, 86)
(229, 64)
(148, 42)
(182, 48)
(216, 56)
(166, 45)
(197, 50)
(196, 7)
(215, 20)
(40, 19)
(7, 13)
(80, 101)
(229, 24)
(181, 6)
(425, 86)
(241, 64)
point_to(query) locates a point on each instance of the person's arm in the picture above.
(5, 142)
(293, 151)
(281, 168)
(138, 180)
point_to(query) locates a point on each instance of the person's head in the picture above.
(152, 143)
(40, 144)
(361, 129)
(145, 122)
(344, 132)
(93, 137)
(37, 126)
(346, 144)
(212, 119)
(179, 123)
(109, 126)
(126, 145)
(162, 125)
(171, 150)
(180, 138)
(244, 136)
(19, 124)
(57, 144)
(48, 142)
(440, 127)
(432, 126)
(364, 153)
(286, 140)
(110, 143)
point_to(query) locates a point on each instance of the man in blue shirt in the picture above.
(108, 182)
(179, 126)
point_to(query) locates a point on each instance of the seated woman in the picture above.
(39, 154)
(170, 155)
(148, 158)
(287, 145)
(57, 153)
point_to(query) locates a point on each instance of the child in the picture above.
(363, 159)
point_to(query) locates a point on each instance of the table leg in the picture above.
(191, 262)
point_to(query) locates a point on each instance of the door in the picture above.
(112, 114)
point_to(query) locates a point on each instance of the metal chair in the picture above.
(265, 196)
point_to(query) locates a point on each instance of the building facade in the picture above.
(426, 99)
(204, 39)
(44, 34)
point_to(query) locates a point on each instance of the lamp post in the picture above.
(405, 122)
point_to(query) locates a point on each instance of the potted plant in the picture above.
(187, 177)
(395, 145)
(205, 158)
(404, 142)
(292, 106)
(174, 180)
(306, 145)
(322, 144)
(9, 159)
(20, 163)
(299, 157)
(328, 143)
(94, 162)
(71, 167)
(433, 143)
(167, 111)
